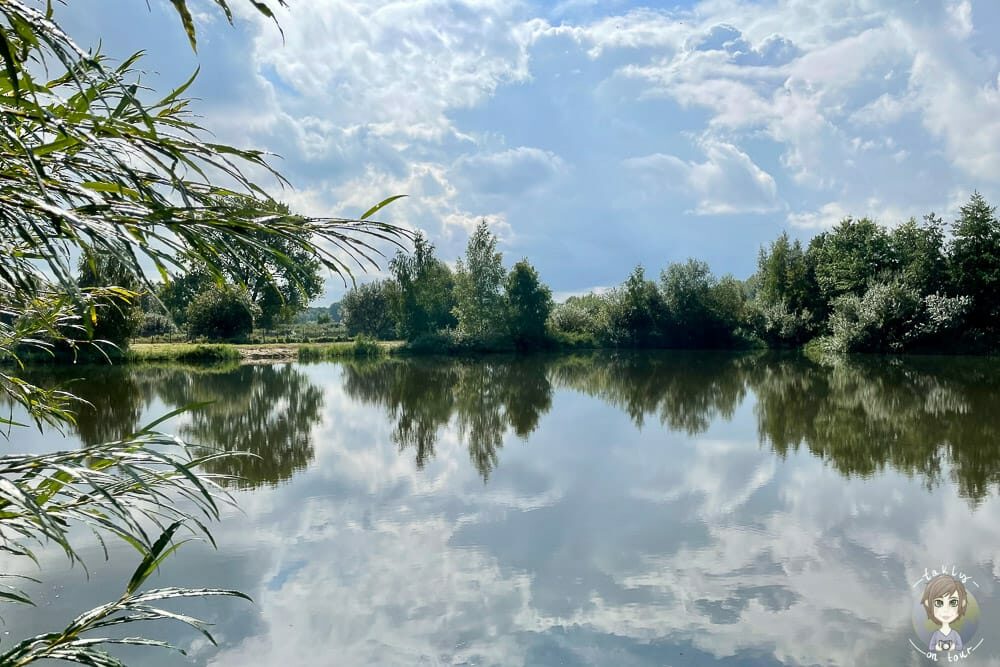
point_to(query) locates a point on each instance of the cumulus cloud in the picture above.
(397, 65)
(727, 182)
(508, 173)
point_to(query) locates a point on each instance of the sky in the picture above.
(593, 136)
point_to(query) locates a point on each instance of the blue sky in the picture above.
(595, 136)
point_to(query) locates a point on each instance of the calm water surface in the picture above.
(630, 510)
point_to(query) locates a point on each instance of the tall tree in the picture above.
(850, 256)
(918, 250)
(636, 312)
(787, 307)
(975, 260)
(426, 295)
(282, 283)
(529, 304)
(478, 281)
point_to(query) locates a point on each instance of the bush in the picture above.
(366, 347)
(581, 316)
(220, 314)
(367, 310)
(779, 326)
(876, 321)
(156, 324)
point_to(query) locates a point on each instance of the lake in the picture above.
(607, 509)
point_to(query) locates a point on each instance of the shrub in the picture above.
(779, 326)
(220, 314)
(156, 324)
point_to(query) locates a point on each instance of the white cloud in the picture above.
(960, 18)
(399, 66)
(509, 173)
(727, 182)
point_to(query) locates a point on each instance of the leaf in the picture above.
(187, 20)
(9, 63)
(375, 209)
(153, 558)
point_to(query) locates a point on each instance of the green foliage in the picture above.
(183, 352)
(528, 303)
(114, 316)
(283, 282)
(221, 314)
(635, 312)
(918, 250)
(367, 309)
(700, 310)
(581, 320)
(778, 325)
(478, 282)
(366, 347)
(156, 324)
(975, 261)
(879, 320)
(849, 257)
(179, 291)
(92, 167)
(892, 317)
(426, 297)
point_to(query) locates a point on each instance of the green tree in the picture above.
(221, 313)
(367, 309)
(582, 319)
(974, 259)
(918, 250)
(478, 282)
(702, 311)
(850, 256)
(426, 296)
(529, 304)
(786, 309)
(282, 283)
(177, 294)
(636, 312)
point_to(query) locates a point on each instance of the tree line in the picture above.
(858, 287)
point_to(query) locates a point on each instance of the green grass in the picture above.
(362, 347)
(190, 352)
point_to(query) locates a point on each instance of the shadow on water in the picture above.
(928, 417)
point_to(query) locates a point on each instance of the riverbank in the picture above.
(252, 353)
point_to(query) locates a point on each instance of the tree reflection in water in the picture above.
(930, 417)
(265, 410)
(918, 415)
(420, 396)
(268, 411)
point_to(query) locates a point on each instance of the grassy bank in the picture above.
(229, 352)
(183, 352)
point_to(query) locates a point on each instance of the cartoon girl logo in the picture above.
(946, 602)
(946, 616)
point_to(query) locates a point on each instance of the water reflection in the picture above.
(860, 415)
(421, 396)
(647, 520)
(263, 410)
(919, 416)
(268, 411)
